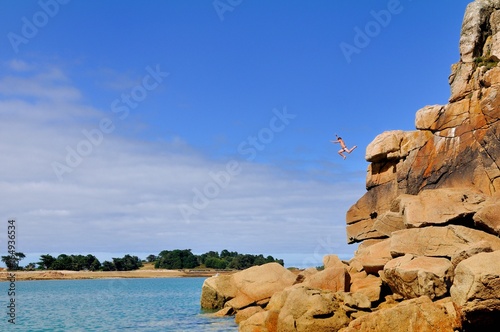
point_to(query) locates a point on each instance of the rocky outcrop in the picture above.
(252, 286)
(420, 314)
(487, 217)
(332, 278)
(432, 193)
(439, 241)
(412, 276)
(476, 288)
(216, 291)
(306, 309)
(428, 225)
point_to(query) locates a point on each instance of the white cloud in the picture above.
(125, 195)
(19, 65)
(49, 85)
(109, 78)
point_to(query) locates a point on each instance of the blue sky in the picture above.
(134, 127)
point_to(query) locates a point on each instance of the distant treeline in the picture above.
(167, 259)
(185, 259)
(89, 262)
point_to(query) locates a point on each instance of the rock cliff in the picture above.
(428, 225)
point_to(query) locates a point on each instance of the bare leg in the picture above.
(340, 153)
(352, 149)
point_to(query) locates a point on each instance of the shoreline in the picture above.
(78, 275)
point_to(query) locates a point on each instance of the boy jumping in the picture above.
(343, 146)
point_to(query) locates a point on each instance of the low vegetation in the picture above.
(488, 62)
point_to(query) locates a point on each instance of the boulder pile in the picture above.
(428, 226)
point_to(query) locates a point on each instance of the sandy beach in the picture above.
(72, 275)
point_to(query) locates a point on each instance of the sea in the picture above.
(163, 304)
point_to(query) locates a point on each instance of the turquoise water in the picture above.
(170, 304)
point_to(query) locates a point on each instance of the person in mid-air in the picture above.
(343, 146)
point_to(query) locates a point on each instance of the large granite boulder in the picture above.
(366, 284)
(476, 287)
(385, 146)
(472, 36)
(332, 261)
(311, 310)
(372, 258)
(216, 291)
(420, 314)
(332, 278)
(412, 276)
(389, 222)
(255, 323)
(436, 241)
(488, 217)
(246, 287)
(439, 207)
(477, 281)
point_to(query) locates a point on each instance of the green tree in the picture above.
(127, 263)
(12, 261)
(177, 259)
(30, 267)
(244, 261)
(79, 262)
(119, 264)
(215, 263)
(210, 254)
(46, 262)
(151, 258)
(131, 263)
(63, 262)
(95, 265)
(226, 253)
(259, 260)
(92, 263)
(108, 266)
(169, 259)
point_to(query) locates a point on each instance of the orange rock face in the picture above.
(454, 146)
(432, 206)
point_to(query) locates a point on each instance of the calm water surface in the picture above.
(170, 304)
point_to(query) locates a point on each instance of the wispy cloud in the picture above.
(108, 78)
(125, 196)
(19, 65)
(47, 85)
